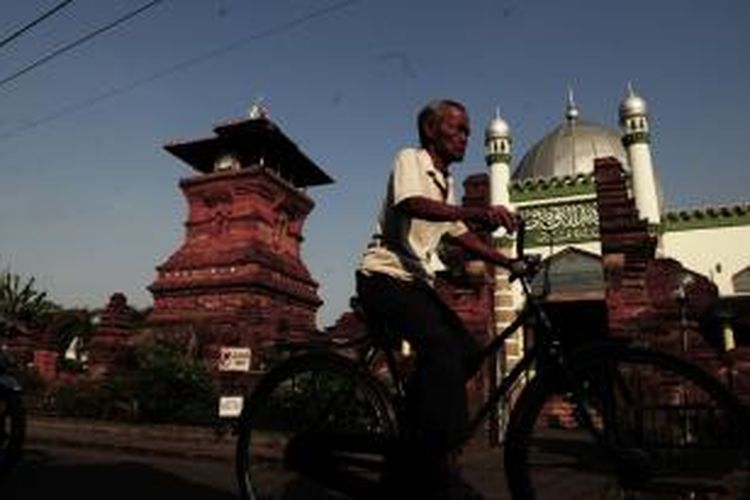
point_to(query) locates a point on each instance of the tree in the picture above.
(21, 304)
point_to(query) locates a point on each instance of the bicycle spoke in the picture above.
(317, 428)
(634, 426)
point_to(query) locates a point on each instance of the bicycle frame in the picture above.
(548, 347)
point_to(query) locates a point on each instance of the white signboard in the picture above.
(234, 359)
(230, 406)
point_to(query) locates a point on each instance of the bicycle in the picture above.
(12, 417)
(644, 424)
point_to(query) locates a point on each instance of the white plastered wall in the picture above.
(589, 246)
(717, 253)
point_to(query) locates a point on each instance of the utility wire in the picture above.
(175, 68)
(60, 51)
(5, 41)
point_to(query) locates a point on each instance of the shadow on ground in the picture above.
(39, 477)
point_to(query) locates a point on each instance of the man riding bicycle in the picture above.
(395, 284)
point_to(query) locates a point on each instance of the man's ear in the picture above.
(430, 131)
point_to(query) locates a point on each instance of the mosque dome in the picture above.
(571, 149)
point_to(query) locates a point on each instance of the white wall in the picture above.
(594, 247)
(700, 250)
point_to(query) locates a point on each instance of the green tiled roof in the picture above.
(707, 217)
(551, 187)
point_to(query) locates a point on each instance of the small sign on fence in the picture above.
(230, 406)
(234, 359)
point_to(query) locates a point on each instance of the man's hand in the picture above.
(491, 217)
(529, 265)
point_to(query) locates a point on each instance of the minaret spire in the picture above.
(631, 92)
(571, 111)
(571, 114)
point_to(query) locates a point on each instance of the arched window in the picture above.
(572, 272)
(741, 281)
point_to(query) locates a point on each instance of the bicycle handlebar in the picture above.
(531, 262)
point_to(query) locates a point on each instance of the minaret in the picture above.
(497, 154)
(634, 122)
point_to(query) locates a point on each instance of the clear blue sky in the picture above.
(89, 202)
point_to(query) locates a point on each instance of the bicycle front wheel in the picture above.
(12, 428)
(627, 423)
(315, 424)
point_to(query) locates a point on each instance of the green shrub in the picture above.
(171, 385)
(162, 384)
(79, 399)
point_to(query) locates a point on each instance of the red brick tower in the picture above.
(238, 278)
(112, 341)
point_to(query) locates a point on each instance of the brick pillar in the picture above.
(627, 249)
(504, 312)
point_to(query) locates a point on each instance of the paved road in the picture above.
(90, 460)
(60, 471)
(63, 454)
(52, 471)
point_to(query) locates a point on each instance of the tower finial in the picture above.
(632, 105)
(257, 110)
(571, 112)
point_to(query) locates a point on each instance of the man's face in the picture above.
(449, 134)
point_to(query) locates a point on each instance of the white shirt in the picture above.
(402, 246)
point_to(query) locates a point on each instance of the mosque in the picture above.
(553, 189)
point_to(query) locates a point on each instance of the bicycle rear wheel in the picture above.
(627, 423)
(12, 428)
(315, 424)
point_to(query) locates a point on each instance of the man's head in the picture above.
(444, 131)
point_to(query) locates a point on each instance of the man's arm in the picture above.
(473, 243)
(421, 207)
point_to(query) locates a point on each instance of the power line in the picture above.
(175, 68)
(36, 21)
(58, 52)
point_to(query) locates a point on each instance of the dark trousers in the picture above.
(446, 357)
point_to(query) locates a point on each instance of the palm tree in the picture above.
(21, 303)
